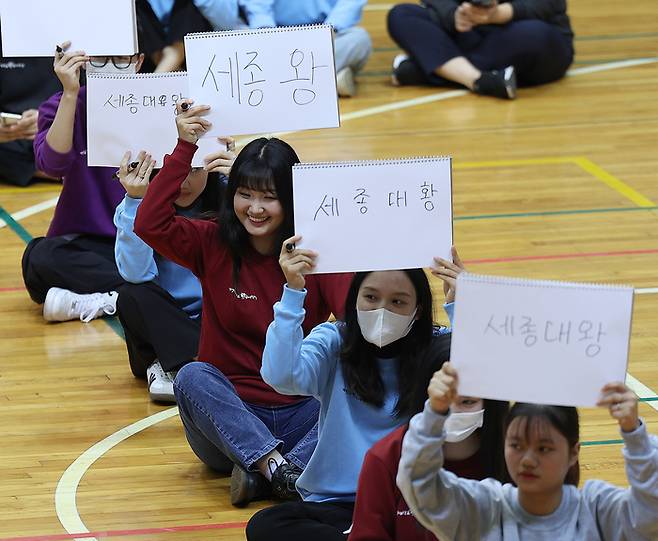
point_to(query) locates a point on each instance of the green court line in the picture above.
(649, 399)
(15, 226)
(553, 213)
(602, 442)
(25, 236)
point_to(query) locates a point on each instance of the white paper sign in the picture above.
(267, 80)
(97, 27)
(539, 341)
(135, 112)
(375, 215)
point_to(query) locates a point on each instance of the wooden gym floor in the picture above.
(559, 184)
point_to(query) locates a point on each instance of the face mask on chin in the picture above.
(461, 425)
(382, 327)
(111, 69)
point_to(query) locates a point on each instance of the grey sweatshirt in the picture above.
(465, 510)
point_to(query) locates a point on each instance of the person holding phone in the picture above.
(24, 84)
(487, 46)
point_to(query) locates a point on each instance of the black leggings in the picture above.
(302, 521)
(539, 52)
(156, 327)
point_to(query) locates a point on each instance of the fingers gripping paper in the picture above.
(374, 215)
(97, 27)
(266, 80)
(539, 341)
(135, 112)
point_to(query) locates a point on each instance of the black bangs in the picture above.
(256, 176)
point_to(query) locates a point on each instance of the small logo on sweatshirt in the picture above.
(404, 513)
(11, 65)
(242, 296)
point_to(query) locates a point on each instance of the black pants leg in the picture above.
(17, 162)
(302, 521)
(156, 328)
(84, 264)
(539, 51)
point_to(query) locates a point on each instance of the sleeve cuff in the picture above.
(131, 204)
(184, 151)
(449, 308)
(432, 422)
(261, 21)
(56, 161)
(293, 298)
(637, 442)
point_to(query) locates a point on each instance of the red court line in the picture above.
(558, 256)
(10, 290)
(125, 533)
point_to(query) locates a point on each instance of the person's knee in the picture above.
(259, 527)
(400, 16)
(35, 260)
(355, 45)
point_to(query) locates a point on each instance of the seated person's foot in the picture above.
(345, 84)
(497, 83)
(160, 383)
(64, 305)
(284, 479)
(406, 72)
(247, 486)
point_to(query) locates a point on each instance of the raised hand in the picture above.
(296, 262)
(622, 404)
(442, 389)
(190, 122)
(67, 67)
(221, 160)
(134, 176)
(448, 272)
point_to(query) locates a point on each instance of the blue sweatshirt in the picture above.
(463, 509)
(348, 427)
(341, 14)
(138, 263)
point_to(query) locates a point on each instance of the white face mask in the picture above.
(110, 68)
(461, 425)
(382, 327)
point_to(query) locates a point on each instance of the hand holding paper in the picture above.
(622, 404)
(442, 389)
(190, 122)
(134, 177)
(448, 271)
(296, 262)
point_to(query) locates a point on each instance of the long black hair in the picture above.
(563, 418)
(262, 165)
(420, 353)
(492, 439)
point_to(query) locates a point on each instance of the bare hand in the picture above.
(296, 262)
(67, 68)
(442, 389)
(25, 128)
(134, 177)
(622, 404)
(222, 160)
(462, 22)
(189, 122)
(479, 15)
(448, 272)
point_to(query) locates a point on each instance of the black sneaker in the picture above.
(247, 486)
(497, 83)
(283, 482)
(406, 72)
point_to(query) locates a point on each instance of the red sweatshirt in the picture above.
(233, 324)
(380, 512)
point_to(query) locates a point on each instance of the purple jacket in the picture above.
(89, 194)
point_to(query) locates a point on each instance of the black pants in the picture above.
(156, 328)
(539, 52)
(185, 18)
(84, 264)
(302, 521)
(17, 162)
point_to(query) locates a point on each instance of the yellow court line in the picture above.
(614, 183)
(56, 188)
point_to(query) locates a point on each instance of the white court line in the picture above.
(646, 290)
(612, 66)
(65, 494)
(377, 7)
(29, 211)
(67, 487)
(641, 390)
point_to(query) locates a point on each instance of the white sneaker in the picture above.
(160, 383)
(345, 84)
(396, 62)
(64, 305)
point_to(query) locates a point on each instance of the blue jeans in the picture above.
(223, 430)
